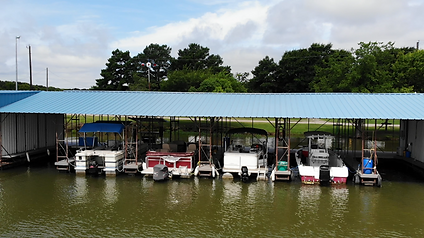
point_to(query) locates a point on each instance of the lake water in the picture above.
(39, 201)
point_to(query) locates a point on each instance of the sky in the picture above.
(74, 39)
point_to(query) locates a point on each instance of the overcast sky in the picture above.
(74, 39)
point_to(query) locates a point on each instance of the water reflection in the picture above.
(339, 201)
(1, 202)
(180, 194)
(146, 183)
(368, 199)
(308, 202)
(232, 192)
(81, 187)
(110, 193)
(53, 204)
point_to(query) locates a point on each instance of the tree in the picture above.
(220, 83)
(409, 71)
(183, 80)
(201, 81)
(197, 57)
(263, 80)
(331, 76)
(296, 69)
(159, 57)
(372, 68)
(118, 73)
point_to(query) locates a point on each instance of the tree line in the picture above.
(373, 67)
(194, 70)
(9, 85)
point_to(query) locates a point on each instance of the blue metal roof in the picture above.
(8, 97)
(288, 105)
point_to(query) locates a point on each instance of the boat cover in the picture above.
(247, 130)
(102, 127)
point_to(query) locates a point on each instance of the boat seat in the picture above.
(165, 148)
(173, 147)
(191, 148)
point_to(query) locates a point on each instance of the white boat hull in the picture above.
(113, 160)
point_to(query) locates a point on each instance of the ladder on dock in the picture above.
(131, 164)
(63, 160)
(262, 173)
(282, 141)
(368, 174)
(205, 159)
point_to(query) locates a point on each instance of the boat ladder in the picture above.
(132, 166)
(282, 140)
(63, 160)
(262, 171)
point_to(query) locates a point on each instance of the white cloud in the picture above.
(222, 32)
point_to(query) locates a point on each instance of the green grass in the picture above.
(298, 126)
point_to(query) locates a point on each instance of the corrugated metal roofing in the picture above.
(290, 105)
(8, 97)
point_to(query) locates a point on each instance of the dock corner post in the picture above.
(276, 142)
(1, 145)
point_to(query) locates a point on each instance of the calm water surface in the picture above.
(41, 202)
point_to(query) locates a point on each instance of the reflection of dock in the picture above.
(14, 160)
(11, 162)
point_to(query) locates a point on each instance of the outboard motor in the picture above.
(244, 174)
(324, 175)
(93, 167)
(160, 172)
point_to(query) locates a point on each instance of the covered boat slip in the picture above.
(178, 163)
(26, 138)
(246, 153)
(345, 111)
(318, 163)
(95, 155)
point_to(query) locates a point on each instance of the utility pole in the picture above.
(30, 68)
(47, 79)
(16, 58)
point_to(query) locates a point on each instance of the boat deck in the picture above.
(206, 170)
(283, 175)
(132, 167)
(64, 162)
(147, 171)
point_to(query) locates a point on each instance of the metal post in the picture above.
(47, 79)
(30, 68)
(1, 145)
(16, 61)
(148, 76)
(276, 142)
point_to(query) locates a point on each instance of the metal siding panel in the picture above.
(60, 119)
(20, 133)
(31, 132)
(55, 122)
(42, 127)
(9, 134)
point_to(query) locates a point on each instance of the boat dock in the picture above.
(32, 121)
